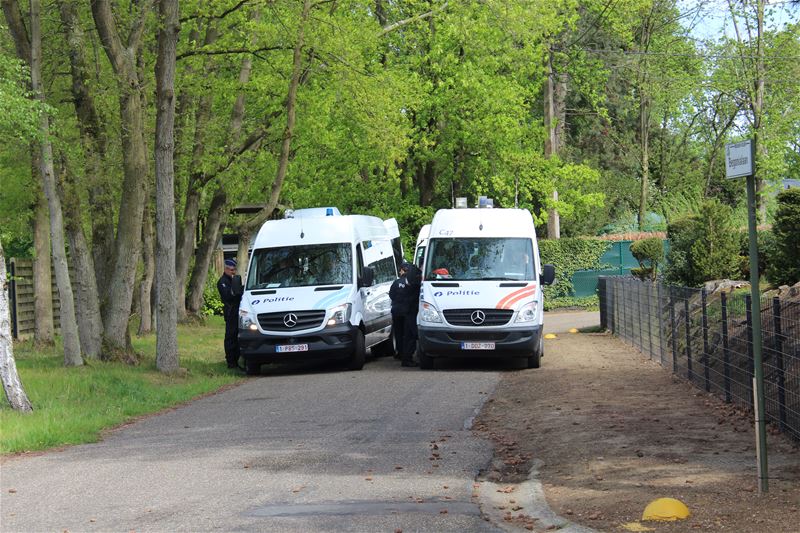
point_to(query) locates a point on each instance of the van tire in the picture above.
(359, 355)
(535, 360)
(252, 368)
(426, 362)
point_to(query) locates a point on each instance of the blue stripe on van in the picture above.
(331, 298)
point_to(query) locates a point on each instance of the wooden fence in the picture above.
(21, 298)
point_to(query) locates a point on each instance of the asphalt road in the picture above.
(297, 449)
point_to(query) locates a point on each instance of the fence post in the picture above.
(624, 327)
(781, 378)
(660, 296)
(641, 315)
(748, 302)
(706, 368)
(613, 303)
(649, 292)
(674, 329)
(726, 350)
(688, 324)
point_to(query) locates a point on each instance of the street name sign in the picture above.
(739, 159)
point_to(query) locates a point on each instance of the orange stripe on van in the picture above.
(519, 297)
(502, 303)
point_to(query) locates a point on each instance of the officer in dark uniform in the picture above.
(230, 292)
(413, 279)
(399, 308)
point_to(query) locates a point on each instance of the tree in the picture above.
(8, 367)
(166, 304)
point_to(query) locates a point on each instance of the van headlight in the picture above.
(246, 321)
(527, 313)
(340, 315)
(428, 313)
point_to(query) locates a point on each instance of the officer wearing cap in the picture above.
(413, 279)
(399, 308)
(230, 292)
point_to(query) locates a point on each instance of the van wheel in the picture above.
(426, 362)
(535, 360)
(252, 368)
(359, 355)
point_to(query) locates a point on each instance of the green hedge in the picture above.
(569, 256)
(784, 267)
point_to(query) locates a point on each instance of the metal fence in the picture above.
(707, 338)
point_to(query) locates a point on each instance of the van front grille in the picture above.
(478, 317)
(291, 320)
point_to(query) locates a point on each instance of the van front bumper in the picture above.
(442, 342)
(329, 343)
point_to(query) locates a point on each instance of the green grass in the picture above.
(74, 405)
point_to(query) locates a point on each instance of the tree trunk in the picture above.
(166, 301)
(124, 60)
(217, 214)
(69, 325)
(644, 133)
(87, 300)
(95, 146)
(8, 367)
(43, 332)
(553, 124)
(146, 284)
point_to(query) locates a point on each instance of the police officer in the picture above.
(230, 292)
(413, 279)
(399, 308)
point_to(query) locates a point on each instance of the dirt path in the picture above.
(614, 431)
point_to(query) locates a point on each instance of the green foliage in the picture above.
(74, 405)
(703, 247)
(569, 255)
(650, 253)
(19, 113)
(212, 304)
(784, 264)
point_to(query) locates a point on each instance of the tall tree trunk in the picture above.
(148, 274)
(125, 62)
(87, 300)
(43, 332)
(95, 147)
(215, 221)
(758, 114)
(554, 112)
(166, 305)
(644, 140)
(69, 325)
(8, 367)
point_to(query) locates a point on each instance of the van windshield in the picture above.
(301, 266)
(480, 259)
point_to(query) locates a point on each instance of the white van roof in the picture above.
(312, 212)
(448, 223)
(343, 228)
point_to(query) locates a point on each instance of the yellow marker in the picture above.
(665, 509)
(573, 330)
(636, 526)
(550, 336)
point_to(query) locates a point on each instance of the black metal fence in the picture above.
(707, 338)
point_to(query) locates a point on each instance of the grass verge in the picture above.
(74, 405)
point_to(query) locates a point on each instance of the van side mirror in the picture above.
(548, 274)
(367, 277)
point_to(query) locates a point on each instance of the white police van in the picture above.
(317, 287)
(482, 287)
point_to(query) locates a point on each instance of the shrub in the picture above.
(703, 247)
(649, 252)
(784, 264)
(569, 255)
(212, 304)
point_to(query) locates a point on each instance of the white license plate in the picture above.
(292, 348)
(477, 346)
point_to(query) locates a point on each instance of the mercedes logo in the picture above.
(290, 320)
(478, 317)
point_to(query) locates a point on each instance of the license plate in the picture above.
(292, 348)
(477, 346)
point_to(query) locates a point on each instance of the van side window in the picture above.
(379, 256)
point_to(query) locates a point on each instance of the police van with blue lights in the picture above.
(317, 287)
(482, 286)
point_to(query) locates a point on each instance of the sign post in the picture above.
(740, 162)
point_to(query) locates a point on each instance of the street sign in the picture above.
(739, 159)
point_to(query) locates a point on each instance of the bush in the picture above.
(784, 264)
(649, 252)
(212, 304)
(703, 247)
(568, 256)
